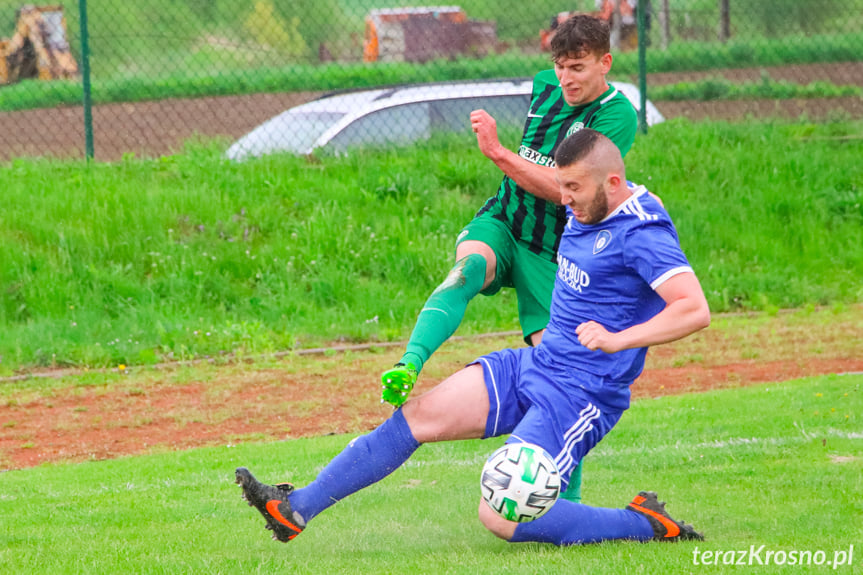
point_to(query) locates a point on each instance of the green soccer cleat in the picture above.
(397, 383)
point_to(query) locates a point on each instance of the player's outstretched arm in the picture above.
(538, 180)
(686, 312)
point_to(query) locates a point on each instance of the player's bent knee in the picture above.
(486, 263)
(423, 421)
(495, 523)
(457, 408)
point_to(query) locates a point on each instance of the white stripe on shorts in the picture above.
(496, 396)
(574, 434)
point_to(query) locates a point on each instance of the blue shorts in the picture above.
(536, 400)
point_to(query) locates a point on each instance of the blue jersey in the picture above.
(560, 395)
(607, 272)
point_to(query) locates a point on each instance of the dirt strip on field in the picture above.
(118, 414)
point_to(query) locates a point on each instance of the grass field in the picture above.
(778, 465)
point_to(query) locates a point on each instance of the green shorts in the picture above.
(530, 274)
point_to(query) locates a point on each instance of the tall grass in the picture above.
(191, 255)
(778, 465)
(767, 88)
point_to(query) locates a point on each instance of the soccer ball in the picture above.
(520, 481)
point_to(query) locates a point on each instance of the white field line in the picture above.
(479, 458)
(803, 437)
(602, 449)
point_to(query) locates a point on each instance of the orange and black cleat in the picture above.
(664, 527)
(272, 502)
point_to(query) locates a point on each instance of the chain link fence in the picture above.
(162, 72)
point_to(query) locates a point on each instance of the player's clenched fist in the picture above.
(593, 336)
(485, 128)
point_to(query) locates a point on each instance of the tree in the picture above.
(269, 29)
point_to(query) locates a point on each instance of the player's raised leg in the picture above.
(440, 317)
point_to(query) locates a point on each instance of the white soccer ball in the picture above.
(520, 482)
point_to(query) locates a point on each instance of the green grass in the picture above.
(723, 89)
(190, 256)
(778, 465)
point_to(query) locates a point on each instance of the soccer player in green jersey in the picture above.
(512, 241)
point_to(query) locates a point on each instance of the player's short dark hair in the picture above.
(579, 35)
(577, 146)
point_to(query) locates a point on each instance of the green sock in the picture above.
(573, 491)
(444, 309)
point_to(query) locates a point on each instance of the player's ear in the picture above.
(605, 61)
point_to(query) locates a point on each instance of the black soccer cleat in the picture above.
(664, 527)
(272, 502)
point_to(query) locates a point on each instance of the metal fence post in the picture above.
(85, 76)
(641, 10)
(665, 24)
(724, 21)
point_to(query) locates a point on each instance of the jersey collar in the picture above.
(637, 191)
(603, 98)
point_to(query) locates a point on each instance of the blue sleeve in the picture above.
(653, 251)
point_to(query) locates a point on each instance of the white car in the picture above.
(396, 115)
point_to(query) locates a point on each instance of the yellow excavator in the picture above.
(38, 47)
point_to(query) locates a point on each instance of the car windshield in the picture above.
(292, 131)
(418, 120)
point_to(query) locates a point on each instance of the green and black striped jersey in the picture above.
(536, 223)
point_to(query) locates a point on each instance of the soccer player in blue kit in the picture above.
(623, 284)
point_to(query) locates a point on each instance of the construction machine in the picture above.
(38, 47)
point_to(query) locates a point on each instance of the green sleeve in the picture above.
(619, 121)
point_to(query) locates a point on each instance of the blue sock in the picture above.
(569, 523)
(366, 460)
